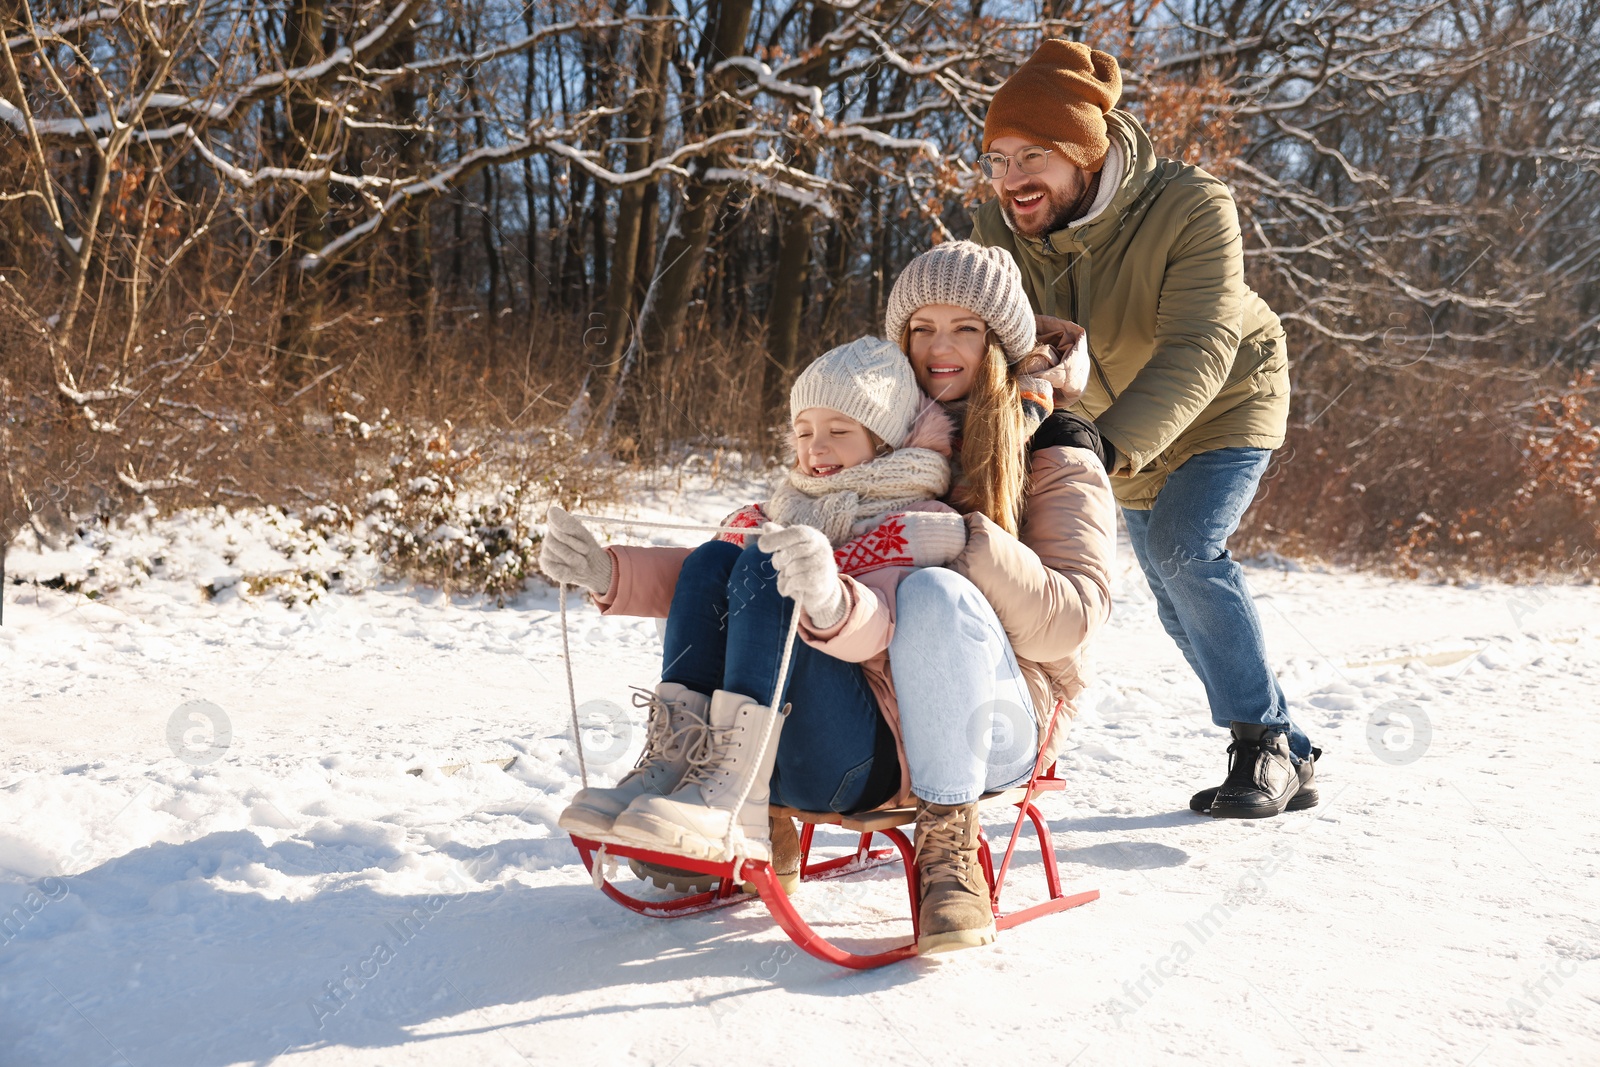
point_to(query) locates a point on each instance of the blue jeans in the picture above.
(966, 716)
(1182, 547)
(726, 631)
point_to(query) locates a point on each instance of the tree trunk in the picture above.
(530, 238)
(574, 278)
(626, 249)
(416, 259)
(794, 255)
(662, 317)
(788, 297)
(491, 242)
(308, 232)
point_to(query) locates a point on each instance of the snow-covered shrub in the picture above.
(422, 506)
(429, 524)
(222, 552)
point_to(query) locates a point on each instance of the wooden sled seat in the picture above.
(881, 819)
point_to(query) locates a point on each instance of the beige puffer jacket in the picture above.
(1051, 589)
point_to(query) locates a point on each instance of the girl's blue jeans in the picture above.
(726, 631)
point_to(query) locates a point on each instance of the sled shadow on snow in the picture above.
(144, 960)
(1122, 855)
(1100, 824)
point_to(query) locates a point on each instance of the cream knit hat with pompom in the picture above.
(869, 380)
(985, 281)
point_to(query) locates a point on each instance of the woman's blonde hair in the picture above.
(993, 440)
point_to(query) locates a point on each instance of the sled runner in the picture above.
(885, 823)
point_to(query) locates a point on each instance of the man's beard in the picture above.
(1059, 209)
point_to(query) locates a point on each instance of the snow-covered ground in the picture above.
(211, 851)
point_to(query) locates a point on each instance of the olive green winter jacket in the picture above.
(1186, 357)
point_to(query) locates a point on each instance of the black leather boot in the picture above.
(1304, 797)
(1263, 780)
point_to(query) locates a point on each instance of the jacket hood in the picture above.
(1139, 167)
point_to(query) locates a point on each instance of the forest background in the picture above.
(424, 265)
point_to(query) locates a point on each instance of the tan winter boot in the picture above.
(785, 854)
(675, 733)
(700, 817)
(953, 911)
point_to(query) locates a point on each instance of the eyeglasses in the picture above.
(1030, 160)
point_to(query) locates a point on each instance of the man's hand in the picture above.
(572, 556)
(1071, 377)
(1071, 431)
(807, 573)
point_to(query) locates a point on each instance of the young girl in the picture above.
(856, 513)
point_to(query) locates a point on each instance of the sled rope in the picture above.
(693, 527)
(572, 691)
(736, 849)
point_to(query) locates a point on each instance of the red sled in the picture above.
(885, 822)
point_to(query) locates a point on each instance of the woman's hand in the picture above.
(806, 570)
(933, 538)
(572, 556)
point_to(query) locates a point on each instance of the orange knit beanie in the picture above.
(1058, 99)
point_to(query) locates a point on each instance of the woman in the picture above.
(987, 650)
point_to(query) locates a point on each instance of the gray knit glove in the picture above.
(572, 556)
(807, 572)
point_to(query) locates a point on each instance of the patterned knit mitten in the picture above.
(904, 539)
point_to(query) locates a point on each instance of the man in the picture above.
(1188, 380)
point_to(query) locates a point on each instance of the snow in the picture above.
(211, 851)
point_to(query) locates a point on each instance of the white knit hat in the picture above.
(869, 380)
(985, 281)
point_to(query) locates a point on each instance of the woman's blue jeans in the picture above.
(1201, 597)
(966, 716)
(726, 631)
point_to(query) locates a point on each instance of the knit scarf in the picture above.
(837, 502)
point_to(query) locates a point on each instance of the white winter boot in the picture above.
(674, 736)
(696, 819)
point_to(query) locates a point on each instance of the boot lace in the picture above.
(708, 764)
(1250, 752)
(942, 839)
(661, 741)
(1245, 749)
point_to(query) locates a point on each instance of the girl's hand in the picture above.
(572, 556)
(806, 570)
